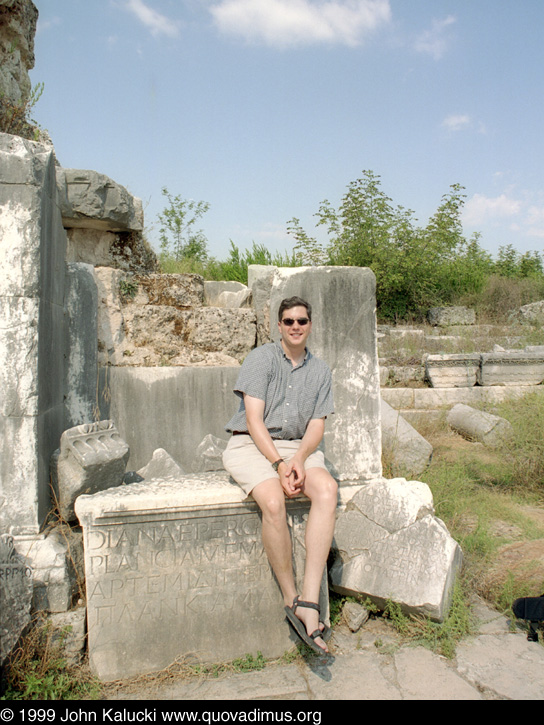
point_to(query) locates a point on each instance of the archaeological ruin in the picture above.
(116, 384)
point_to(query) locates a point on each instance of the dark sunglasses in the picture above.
(289, 322)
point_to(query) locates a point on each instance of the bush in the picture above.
(416, 268)
(500, 296)
(15, 117)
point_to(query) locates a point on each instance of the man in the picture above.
(286, 394)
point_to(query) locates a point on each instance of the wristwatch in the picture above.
(276, 464)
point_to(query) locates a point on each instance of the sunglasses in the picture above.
(288, 322)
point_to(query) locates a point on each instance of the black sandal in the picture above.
(300, 629)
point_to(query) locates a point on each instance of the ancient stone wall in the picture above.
(18, 20)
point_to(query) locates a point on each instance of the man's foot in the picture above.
(307, 624)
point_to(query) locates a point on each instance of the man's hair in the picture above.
(294, 302)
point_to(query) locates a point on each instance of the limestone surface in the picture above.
(390, 546)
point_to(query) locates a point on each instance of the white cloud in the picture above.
(283, 23)
(480, 209)
(155, 22)
(463, 122)
(535, 221)
(457, 122)
(435, 41)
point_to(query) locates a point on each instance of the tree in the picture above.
(414, 267)
(177, 234)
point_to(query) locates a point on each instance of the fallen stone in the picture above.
(452, 371)
(446, 316)
(161, 467)
(355, 615)
(57, 564)
(406, 451)
(91, 458)
(209, 455)
(486, 428)
(227, 294)
(390, 546)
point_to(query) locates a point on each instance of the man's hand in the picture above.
(292, 476)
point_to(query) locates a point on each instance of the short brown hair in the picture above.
(289, 302)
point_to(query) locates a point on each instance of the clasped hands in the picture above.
(292, 477)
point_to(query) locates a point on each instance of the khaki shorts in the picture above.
(247, 465)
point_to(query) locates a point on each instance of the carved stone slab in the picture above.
(92, 457)
(177, 569)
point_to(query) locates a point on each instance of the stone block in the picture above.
(164, 322)
(343, 303)
(177, 569)
(56, 559)
(81, 370)
(407, 452)
(15, 596)
(227, 294)
(161, 467)
(32, 252)
(91, 200)
(183, 291)
(446, 316)
(209, 455)
(92, 458)
(512, 368)
(69, 634)
(167, 407)
(452, 371)
(390, 546)
(476, 425)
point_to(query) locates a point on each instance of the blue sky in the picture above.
(264, 108)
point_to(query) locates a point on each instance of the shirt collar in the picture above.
(307, 356)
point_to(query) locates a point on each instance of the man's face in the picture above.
(297, 333)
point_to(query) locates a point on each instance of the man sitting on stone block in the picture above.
(286, 394)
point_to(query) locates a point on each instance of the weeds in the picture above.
(440, 637)
(36, 669)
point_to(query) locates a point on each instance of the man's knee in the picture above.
(324, 489)
(271, 500)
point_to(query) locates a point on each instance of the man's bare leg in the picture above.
(270, 497)
(322, 490)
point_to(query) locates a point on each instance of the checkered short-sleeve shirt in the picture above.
(293, 395)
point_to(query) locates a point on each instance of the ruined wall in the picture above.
(18, 20)
(32, 259)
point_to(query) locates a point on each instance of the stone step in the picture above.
(436, 398)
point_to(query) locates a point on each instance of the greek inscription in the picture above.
(174, 532)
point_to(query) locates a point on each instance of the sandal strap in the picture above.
(307, 605)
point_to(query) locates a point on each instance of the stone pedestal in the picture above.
(177, 569)
(343, 303)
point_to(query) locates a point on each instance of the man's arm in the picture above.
(311, 439)
(262, 439)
